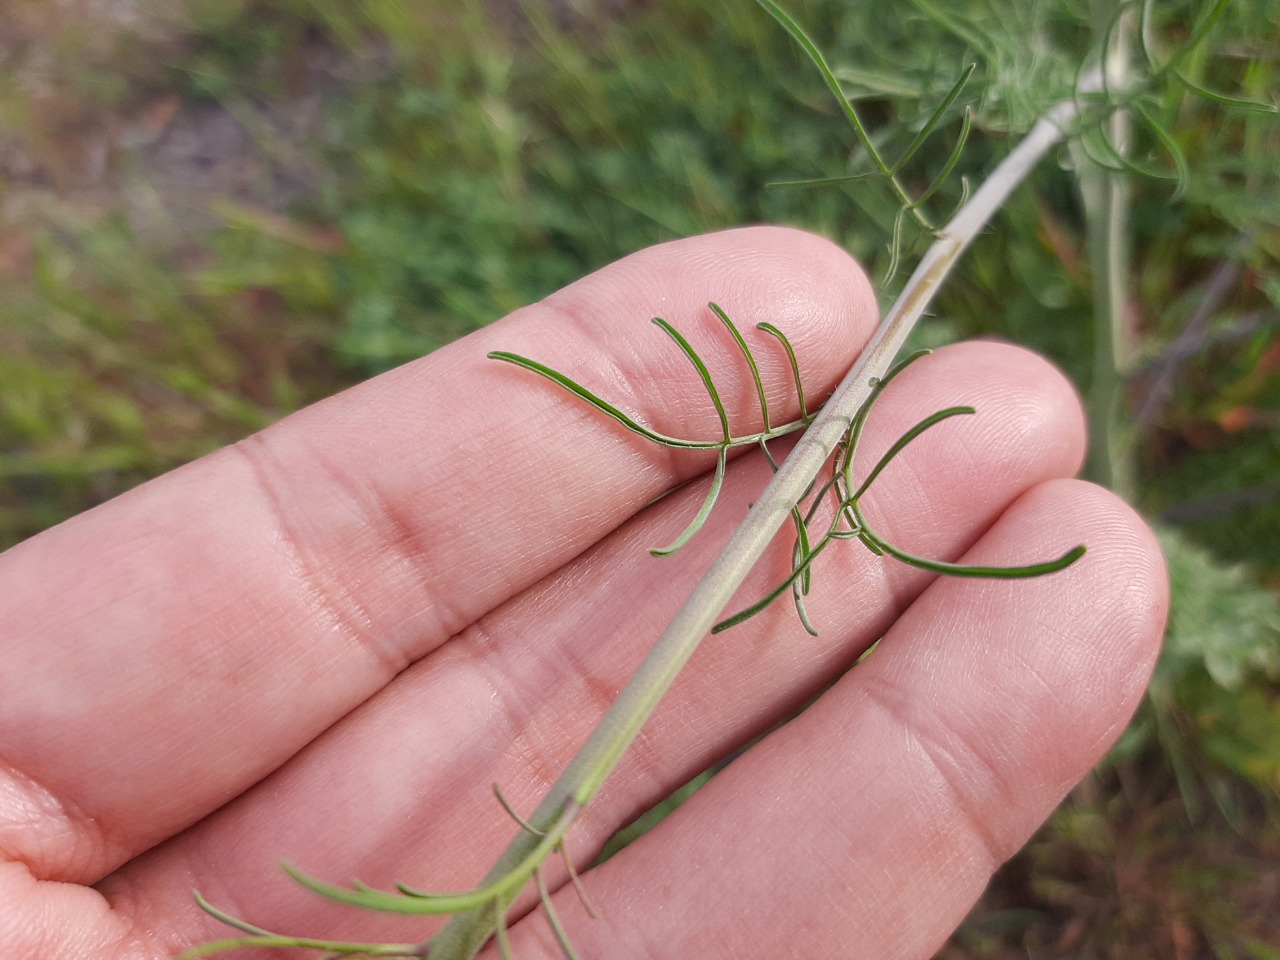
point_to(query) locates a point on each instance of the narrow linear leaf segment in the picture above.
(847, 520)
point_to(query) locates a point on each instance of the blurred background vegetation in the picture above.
(213, 212)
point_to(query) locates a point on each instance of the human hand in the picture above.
(324, 644)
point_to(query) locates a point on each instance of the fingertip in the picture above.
(1121, 581)
(1039, 407)
(1037, 677)
(1067, 656)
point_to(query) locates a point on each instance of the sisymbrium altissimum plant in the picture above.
(817, 489)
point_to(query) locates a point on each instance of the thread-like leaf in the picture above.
(803, 547)
(635, 426)
(228, 919)
(412, 901)
(854, 434)
(1234, 103)
(802, 608)
(703, 373)
(966, 125)
(713, 493)
(511, 812)
(801, 586)
(259, 937)
(815, 55)
(773, 331)
(967, 570)
(726, 441)
(934, 119)
(1204, 27)
(868, 542)
(749, 612)
(500, 931)
(846, 106)
(825, 181)
(1182, 170)
(900, 444)
(576, 880)
(553, 918)
(749, 357)
(895, 245)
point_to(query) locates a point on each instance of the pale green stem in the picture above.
(1106, 196)
(468, 931)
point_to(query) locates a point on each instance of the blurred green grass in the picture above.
(212, 216)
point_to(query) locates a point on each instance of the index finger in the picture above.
(170, 648)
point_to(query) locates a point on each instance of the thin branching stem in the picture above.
(890, 172)
(469, 930)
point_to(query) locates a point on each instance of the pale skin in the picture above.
(325, 643)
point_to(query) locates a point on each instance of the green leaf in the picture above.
(717, 482)
(407, 900)
(846, 105)
(1219, 617)
(878, 386)
(775, 593)
(258, 937)
(703, 373)
(773, 331)
(968, 570)
(900, 444)
(751, 361)
(1182, 170)
(553, 918)
(1233, 103)
(935, 119)
(555, 376)
(966, 124)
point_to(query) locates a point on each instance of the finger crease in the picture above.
(326, 601)
(949, 760)
(67, 840)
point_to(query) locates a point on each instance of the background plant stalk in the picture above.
(469, 930)
(1106, 197)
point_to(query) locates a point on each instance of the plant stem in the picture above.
(468, 931)
(1106, 197)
